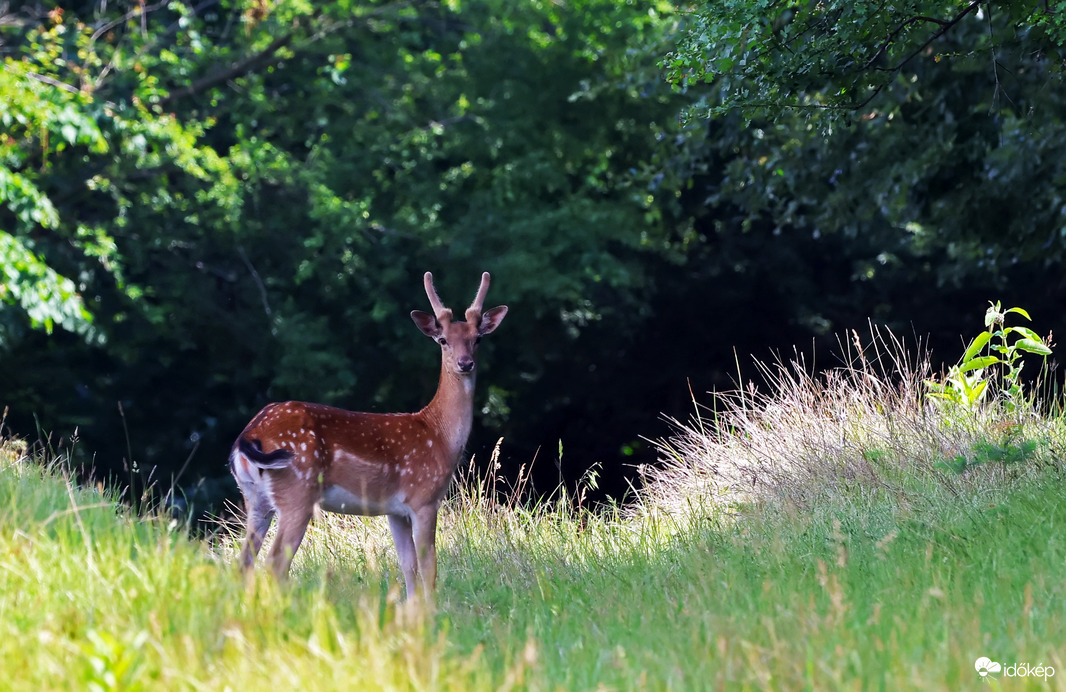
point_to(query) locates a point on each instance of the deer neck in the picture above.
(451, 412)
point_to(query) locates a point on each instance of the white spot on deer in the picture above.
(429, 443)
(303, 446)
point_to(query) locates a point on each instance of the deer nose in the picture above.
(466, 364)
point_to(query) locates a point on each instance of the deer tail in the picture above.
(252, 450)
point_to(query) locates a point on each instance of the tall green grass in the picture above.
(814, 537)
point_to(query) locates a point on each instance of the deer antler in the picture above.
(473, 313)
(439, 311)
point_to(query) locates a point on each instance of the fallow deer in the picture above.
(294, 455)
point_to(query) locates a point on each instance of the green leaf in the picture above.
(1025, 332)
(978, 363)
(1033, 347)
(1021, 312)
(47, 297)
(973, 394)
(976, 346)
(26, 201)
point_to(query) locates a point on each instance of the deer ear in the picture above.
(491, 319)
(427, 323)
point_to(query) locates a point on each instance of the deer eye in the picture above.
(442, 341)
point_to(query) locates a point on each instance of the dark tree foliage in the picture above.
(207, 206)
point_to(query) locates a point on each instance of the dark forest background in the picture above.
(208, 206)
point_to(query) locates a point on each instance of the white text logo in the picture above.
(986, 667)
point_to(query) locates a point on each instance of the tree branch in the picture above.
(945, 26)
(137, 11)
(154, 43)
(45, 79)
(258, 281)
(233, 71)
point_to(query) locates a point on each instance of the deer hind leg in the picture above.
(424, 526)
(258, 509)
(405, 550)
(294, 513)
(260, 514)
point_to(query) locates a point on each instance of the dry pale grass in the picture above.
(865, 426)
(486, 520)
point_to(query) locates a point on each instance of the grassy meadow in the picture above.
(841, 532)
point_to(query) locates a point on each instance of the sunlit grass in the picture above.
(814, 537)
(864, 428)
(90, 596)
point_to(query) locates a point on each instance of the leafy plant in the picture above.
(993, 358)
(1008, 453)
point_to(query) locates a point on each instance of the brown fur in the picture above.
(294, 455)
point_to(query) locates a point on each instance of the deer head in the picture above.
(458, 340)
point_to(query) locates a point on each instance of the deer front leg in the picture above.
(405, 551)
(424, 526)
